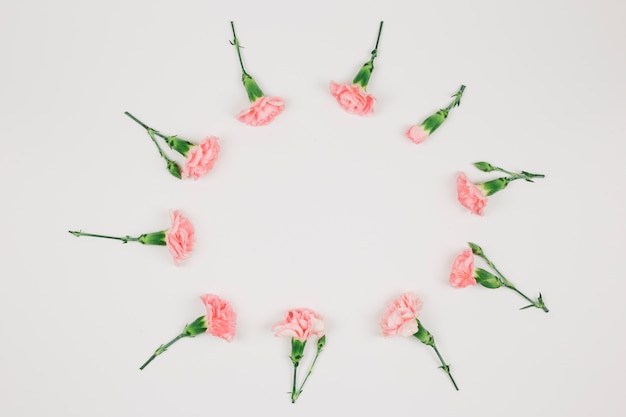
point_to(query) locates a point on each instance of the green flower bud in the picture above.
(252, 88)
(493, 186)
(476, 250)
(321, 342)
(156, 238)
(424, 335)
(198, 326)
(487, 279)
(484, 166)
(297, 350)
(174, 169)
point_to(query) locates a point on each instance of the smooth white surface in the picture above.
(320, 209)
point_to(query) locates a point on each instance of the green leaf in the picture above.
(487, 279)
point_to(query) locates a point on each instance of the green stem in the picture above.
(380, 29)
(151, 133)
(508, 284)
(294, 396)
(317, 354)
(145, 126)
(444, 366)
(235, 42)
(457, 99)
(162, 349)
(523, 175)
(124, 239)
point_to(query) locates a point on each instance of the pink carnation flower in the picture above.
(300, 323)
(201, 158)
(221, 319)
(352, 98)
(180, 237)
(262, 111)
(462, 273)
(469, 195)
(400, 319)
(417, 134)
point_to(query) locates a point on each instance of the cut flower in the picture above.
(400, 319)
(300, 325)
(220, 320)
(353, 98)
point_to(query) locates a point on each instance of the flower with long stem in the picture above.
(179, 238)
(400, 319)
(353, 97)
(473, 196)
(220, 320)
(464, 273)
(264, 109)
(200, 157)
(419, 133)
(300, 325)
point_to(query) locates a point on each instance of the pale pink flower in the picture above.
(469, 195)
(300, 323)
(201, 158)
(262, 111)
(180, 237)
(352, 98)
(462, 273)
(221, 319)
(400, 319)
(417, 134)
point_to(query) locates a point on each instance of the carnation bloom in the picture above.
(221, 319)
(417, 134)
(262, 111)
(300, 324)
(470, 195)
(352, 98)
(462, 273)
(201, 158)
(401, 314)
(180, 237)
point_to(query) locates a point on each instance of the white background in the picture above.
(320, 209)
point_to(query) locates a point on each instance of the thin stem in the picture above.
(236, 43)
(151, 133)
(294, 395)
(508, 284)
(145, 126)
(523, 175)
(444, 366)
(380, 29)
(162, 349)
(124, 239)
(317, 354)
